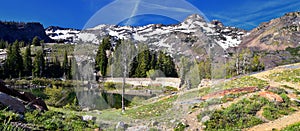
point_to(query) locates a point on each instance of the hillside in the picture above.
(277, 34)
(273, 101)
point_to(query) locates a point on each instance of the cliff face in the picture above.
(11, 31)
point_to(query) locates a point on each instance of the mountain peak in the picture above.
(193, 18)
(295, 14)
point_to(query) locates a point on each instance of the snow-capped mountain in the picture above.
(59, 34)
(157, 34)
(190, 37)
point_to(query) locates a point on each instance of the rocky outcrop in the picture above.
(23, 97)
(11, 31)
(271, 96)
(12, 103)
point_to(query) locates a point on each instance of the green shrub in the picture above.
(169, 89)
(109, 86)
(293, 127)
(52, 120)
(59, 97)
(180, 127)
(237, 116)
(137, 100)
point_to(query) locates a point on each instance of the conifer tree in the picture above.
(65, 65)
(38, 64)
(14, 62)
(36, 41)
(143, 64)
(9, 63)
(101, 60)
(27, 61)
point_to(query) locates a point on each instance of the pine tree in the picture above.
(106, 43)
(74, 69)
(39, 64)
(27, 61)
(101, 60)
(169, 66)
(159, 62)
(2, 44)
(143, 64)
(133, 67)
(153, 60)
(57, 68)
(8, 65)
(166, 65)
(36, 41)
(14, 61)
(65, 65)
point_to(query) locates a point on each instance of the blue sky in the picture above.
(75, 13)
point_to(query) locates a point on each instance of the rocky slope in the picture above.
(11, 31)
(277, 34)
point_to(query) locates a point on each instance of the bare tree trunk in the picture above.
(124, 81)
(123, 88)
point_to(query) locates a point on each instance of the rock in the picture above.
(138, 128)
(121, 126)
(205, 118)
(97, 112)
(271, 96)
(13, 103)
(205, 83)
(172, 121)
(27, 98)
(88, 118)
(184, 122)
(86, 109)
(154, 123)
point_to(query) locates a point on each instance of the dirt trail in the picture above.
(277, 124)
(263, 76)
(285, 120)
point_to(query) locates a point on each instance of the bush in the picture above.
(180, 127)
(59, 97)
(237, 116)
(293, 127)
(169, 89)
(274, 111)
(109, 86)
(137, 100)
(52, 120)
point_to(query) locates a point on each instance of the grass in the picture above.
(292, 76)
(293, 127)
(246, 81)
(151, 110)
